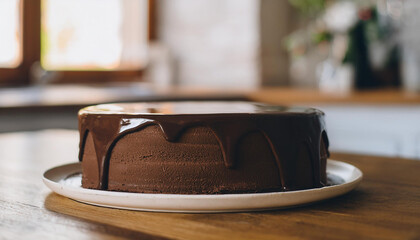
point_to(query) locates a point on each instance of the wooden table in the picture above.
(385, 206)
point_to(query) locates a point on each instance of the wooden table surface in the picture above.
(385, 206)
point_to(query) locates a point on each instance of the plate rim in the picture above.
(83, 195)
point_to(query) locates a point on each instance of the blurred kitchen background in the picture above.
(358, 61)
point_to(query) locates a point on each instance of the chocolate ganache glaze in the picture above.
(291, 134)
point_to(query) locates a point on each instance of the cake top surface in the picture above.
(193, 108)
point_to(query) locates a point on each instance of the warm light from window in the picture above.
(10, 33)
(94, 34)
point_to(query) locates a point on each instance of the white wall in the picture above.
(378, 130)
(214, 42)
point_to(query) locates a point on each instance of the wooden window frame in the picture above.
(31, 53)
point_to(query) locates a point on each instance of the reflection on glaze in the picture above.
(193, 108)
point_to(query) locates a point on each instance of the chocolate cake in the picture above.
(202, 147)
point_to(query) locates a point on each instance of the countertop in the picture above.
(81, 95)
(386, 205)
(283, 95)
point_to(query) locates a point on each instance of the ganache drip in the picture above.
(284, 134)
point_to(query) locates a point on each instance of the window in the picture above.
(78, 40)
(11, 41)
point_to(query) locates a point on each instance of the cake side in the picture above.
(194, 164)
(166, 154)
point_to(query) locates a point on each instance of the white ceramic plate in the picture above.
(66, 180)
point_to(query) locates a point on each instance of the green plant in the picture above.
(309, 7)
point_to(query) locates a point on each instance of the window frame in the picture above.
(31, 53)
